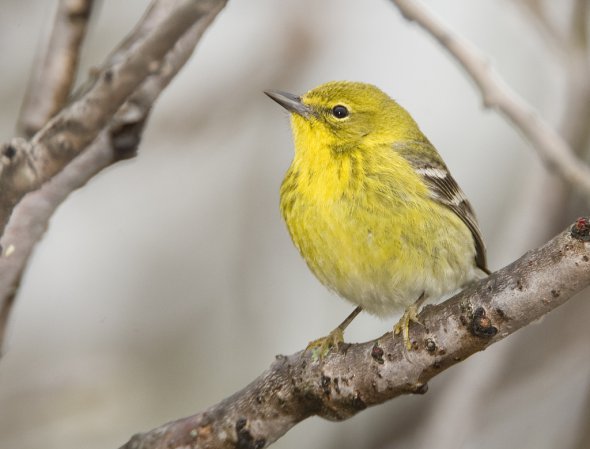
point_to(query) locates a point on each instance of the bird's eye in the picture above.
(339, 111)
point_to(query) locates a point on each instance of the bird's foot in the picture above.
(403, 325)
(321, 347)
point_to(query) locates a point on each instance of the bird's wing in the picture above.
(424, 158)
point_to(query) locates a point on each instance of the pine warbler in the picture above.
(372, 207)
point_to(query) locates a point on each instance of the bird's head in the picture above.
(344, 115)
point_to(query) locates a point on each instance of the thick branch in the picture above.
(296, 387)
(55, 70)
(118, 141)
(24, 166)
(554, 151)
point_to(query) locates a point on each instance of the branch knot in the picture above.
(581, 229)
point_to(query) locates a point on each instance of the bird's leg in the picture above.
(410, 314)
(322, 346)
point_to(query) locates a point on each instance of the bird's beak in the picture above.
(290, 102)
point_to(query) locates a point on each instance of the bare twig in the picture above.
(55, 70)
(361, 375)
(156, 13)
(570, 45)
(118, 141)
(551, 147)
(24, 166)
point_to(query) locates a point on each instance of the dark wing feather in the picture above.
(423, 157)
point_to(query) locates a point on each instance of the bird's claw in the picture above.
(403, 325)
(322, 346)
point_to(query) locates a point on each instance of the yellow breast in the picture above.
(363, 221)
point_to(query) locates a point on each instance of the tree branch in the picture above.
(119, 140)
(55, 69)
(25, 165)
(357, 376)
(551, 147)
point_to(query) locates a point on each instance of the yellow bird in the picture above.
(372, 207)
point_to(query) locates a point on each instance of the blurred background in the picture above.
(170, 282)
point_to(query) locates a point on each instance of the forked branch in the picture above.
(118, 139)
